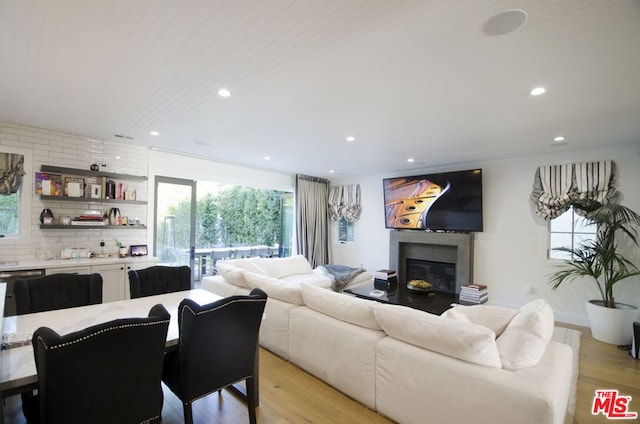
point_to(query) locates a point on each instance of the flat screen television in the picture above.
(448, 201)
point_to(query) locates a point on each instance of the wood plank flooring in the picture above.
(604, 366)
(289, 395)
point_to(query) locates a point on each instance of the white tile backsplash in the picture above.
(71, 151)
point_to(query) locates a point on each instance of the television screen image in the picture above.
(449, 201)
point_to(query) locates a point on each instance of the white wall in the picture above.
(177, 166)
(510, 254)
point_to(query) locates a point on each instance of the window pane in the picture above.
(580, 238)
(563, 223)
(239, 216)
(560, 240)
(583, 225)
(10, 214)
(568, 230)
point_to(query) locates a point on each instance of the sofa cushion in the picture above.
(312, 279)
(468, 342)
(279, 289)
(495, 317)
(282, 267)
(523, 342)
(233, 270)
(340, 306)
(232, 274)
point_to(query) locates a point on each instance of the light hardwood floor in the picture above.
(290, 395)
(604, 366)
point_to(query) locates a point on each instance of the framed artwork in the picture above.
(74, 187)
(48, 184)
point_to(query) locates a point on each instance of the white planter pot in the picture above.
(612, 325)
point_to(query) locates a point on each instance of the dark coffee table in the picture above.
(434, 302)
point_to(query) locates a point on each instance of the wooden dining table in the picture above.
(17, 364)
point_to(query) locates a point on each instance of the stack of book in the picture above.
(384, 278)
(473, 294)
(89, 219)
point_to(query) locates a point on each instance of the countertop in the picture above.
(61, 263)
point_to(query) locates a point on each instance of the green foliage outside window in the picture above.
(234, 216)
(9, 214)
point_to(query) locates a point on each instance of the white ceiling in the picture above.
(415, 79)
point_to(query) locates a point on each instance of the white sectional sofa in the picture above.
(281, 279)
(476, 364)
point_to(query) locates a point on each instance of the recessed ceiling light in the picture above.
(331, 171)
(154, 133)
(410, 160)
(223, 92)
(538, 91)
(267, 158)
(351, 138)
(559, 141)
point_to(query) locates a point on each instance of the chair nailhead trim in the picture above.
(88, 336)
(225, 305)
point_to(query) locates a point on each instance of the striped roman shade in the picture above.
(11, 173)
(556, 187)
(344, 202)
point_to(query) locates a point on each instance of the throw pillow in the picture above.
(468, 342)
(524, 341)
(232, 274)
(232, 270)
(282, 267)
(495, 317)
(340, 306)
(247, 264)
(273, 287)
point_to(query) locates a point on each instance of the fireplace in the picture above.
(441, 275)
(453, 249)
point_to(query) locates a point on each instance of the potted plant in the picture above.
(599, 260)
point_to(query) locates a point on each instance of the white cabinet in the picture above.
(112, 281)
(115, 278)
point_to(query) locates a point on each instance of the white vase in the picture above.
(612, 325)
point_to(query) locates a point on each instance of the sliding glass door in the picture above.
(174, 226)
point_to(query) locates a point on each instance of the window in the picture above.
(10, 214)
(252, 221)
(12, 204)
(569, 230)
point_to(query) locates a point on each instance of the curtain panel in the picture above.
(344, 202)
(11, 173)
(312, 218)
(556, 187)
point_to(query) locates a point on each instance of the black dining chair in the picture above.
(218, 347)
(159, 280)
(57, 291)
(107, 373)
